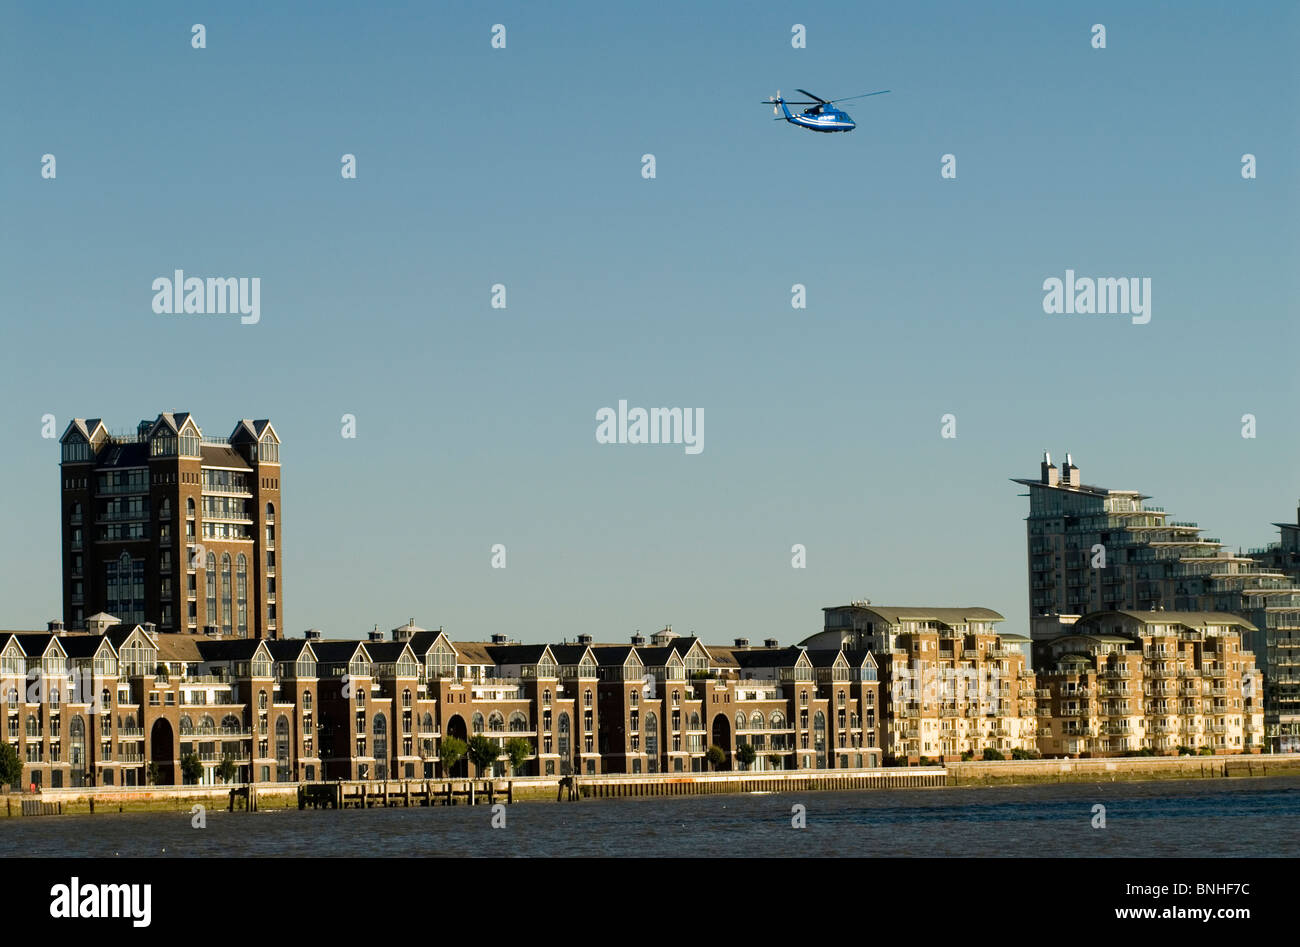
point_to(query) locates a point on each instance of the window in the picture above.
(476, 723)
(586, 698)
(496, 723)
(212, 589)
(241, 595)
(225, 594)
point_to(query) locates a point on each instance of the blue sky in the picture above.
(522, 166)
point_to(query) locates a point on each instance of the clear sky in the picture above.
(522, 166)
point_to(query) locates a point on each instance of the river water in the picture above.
(1193, 818)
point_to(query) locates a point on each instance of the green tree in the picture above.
(11, 767)
(227, 769)
(992, 754)
(518, 750)
(746, 754)
(775, 760)
(451, 752)
(483, 752)
(716, 756)
(191, 768)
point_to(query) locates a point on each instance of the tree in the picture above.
(451, 752)
(716, 756)
(518, 750)
(745, 754)
(11, 767)
(775, 760)
(191, 768)
(483, 752)
(227, 769)
(992, 754)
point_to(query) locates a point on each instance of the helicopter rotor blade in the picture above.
(815, 97)
(863, 96)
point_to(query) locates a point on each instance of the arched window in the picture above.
(651, 730)
(282, 748)
(189, 507)
(476, 723)
(564, 736)
(207, 725)
(187, 725)
(13, 698)
(496, 722)
(803, 698)
(586, 698)
(776, 721)
(241, 595)
(270, 512)
(839, 699)
(406, 698)
(130, 722)
(426, 723)
(105, 699)
(634, 697)
(677, 698)
(756, 721)
(740, 720)
(213, 618)
(518, 723)
(261, 700)
(225, 594)
(230, 724)
(546, 697)
(306, 701)
(33, 726)
(695, 720)
(381, 737)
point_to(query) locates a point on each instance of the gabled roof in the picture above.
(290, 649)
(518, 653)
(662, 656)
(772, 657)
(827, 657)
(570, 653)
(86, 427)
(247, 430)
(613, 655)
(388, 652)
(423, 641)
(339, 652)
(120, 634)
(235, 649)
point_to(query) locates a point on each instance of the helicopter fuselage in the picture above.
(821, 118)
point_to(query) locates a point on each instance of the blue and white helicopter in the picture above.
(822, 117)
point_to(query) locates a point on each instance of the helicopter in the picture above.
(822, 117)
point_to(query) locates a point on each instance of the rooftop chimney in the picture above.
(1049, 474)
(584, 639)
(1070, 472)
(742, 642)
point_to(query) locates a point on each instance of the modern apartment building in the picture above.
(950, 686)
(169, 527)
(1168, 682)
(1093, 549)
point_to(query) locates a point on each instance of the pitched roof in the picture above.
(177, 646)
(568, 653)
(216, 456)
(235, 649)
(948, 616)
(473, 652)
(516, 653)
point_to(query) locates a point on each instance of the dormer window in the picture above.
(75, 449)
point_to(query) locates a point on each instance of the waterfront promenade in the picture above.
(407, 793)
